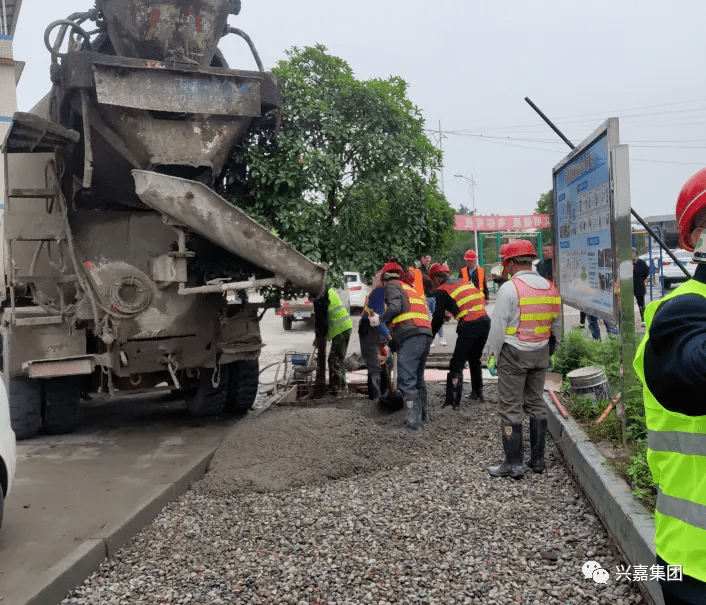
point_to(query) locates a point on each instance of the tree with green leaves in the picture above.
(544, 206)
(350, 178)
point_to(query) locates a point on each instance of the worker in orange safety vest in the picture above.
(525, 329)
(473, 273)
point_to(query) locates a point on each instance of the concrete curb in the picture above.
(629, 523)
(51, 587)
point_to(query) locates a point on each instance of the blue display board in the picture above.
(585, 266)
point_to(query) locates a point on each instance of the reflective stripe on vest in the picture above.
(418, 313)
(538, 307)
(676, 454)
(338, 319)
(469, 299)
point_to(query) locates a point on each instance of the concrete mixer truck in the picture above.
(118, 252)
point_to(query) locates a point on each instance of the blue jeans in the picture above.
(431, 306)
(596, 331)
(411, 360)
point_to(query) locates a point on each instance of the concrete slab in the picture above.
(79, 497)
(628, 522)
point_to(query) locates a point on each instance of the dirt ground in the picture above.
(291, 446)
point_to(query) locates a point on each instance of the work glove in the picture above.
(384, 354)
(374, 321)
(491, 366)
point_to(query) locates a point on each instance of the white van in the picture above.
(357, 289)
(7, 449)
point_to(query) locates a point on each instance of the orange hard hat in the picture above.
(690, 203)
(518, 249)
(470, 255)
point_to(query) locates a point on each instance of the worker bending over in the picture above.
(407, 313)
(467, 304)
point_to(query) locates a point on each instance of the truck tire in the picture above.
(205, 400)
(25, 396)
(2, 504)
(244, 380)
(62, 400)
(287, 323)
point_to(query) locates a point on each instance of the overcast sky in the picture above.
(470, 64)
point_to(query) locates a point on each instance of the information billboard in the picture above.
(585, 267)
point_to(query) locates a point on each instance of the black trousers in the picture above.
(641, 305)
(470, 340)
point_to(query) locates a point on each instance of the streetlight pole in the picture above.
(471, 184)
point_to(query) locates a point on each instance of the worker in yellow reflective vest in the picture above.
(525, 328)
(671, 362)
(338, 329)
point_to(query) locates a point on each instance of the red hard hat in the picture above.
(392, 267)
(690, 202)
(520, 247)
(503, 249)
(470, 255)
(436, 269)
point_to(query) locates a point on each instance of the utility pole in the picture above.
(471, 184)
(441, 136)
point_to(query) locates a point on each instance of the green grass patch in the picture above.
(578, 351)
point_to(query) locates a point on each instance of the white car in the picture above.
(7, 449)
(357, 289)
(672, 273)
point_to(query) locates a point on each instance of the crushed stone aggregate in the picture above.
(335, 504)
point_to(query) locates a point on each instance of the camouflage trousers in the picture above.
(336, 356)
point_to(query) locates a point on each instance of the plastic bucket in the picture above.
(590, 381)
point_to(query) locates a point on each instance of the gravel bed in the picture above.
(336, 504)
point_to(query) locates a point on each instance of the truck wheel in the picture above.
(25, 396)
(244, 380)
(287, 323)
(205, 400)
(62, 398)
(2, 504)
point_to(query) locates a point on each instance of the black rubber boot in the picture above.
(512, 444)
(458, 390)
(449, 390)
(374, 391)
(425, 405)
(538, 437)
(478, 395)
